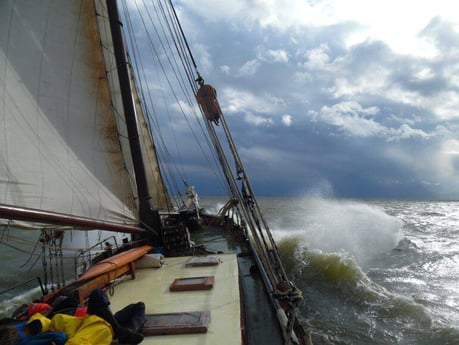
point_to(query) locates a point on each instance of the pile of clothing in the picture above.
(66, 322)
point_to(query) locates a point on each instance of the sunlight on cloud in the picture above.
(446, 105)
(260, 154)
(263, 156)
(183, 107)
(406, 132)
(397, 23)
(375, 83)
(278, 55)
(443, 166)
(204, 58)
(378, 81)
(249, 68)
(257, 120)
(280, 14)
(287, 120)
(449, 158)
(350, 118)
(435, 165)
(245, 101)
(318, 58)
(354, 120)
(385, 70)
(225, 69)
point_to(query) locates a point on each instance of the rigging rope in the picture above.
(138, 65)
(168, 25)
(166, 30)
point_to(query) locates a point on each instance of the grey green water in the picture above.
(371, 271)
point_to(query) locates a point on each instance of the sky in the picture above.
(337, 98)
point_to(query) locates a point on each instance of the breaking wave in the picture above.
(361, 230)
(332, 251)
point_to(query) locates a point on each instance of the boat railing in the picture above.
(17, 286)
(85, 258)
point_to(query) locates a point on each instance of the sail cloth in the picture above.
(63, 145)
(157, 189)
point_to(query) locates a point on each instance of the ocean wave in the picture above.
(371, 276)
(432, 214)
(9, 303)
(340, 272)
(336, 283)
(362, 230)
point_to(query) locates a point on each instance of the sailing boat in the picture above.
(77, 154)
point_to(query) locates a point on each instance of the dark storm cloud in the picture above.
(307, 108)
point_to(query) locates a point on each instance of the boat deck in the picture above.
(151, 286)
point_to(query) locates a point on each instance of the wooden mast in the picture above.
(149, 217)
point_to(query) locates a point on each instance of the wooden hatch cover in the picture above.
(176, 323)
(192, 283)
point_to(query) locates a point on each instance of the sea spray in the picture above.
(336, 289)
(326, 253)
(402, 293)
(331, 225)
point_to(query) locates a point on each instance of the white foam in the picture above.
(334, 225)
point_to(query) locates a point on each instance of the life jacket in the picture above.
(207, 99)
(38, 308)
(80, 311)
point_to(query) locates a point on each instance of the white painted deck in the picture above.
(151, 286)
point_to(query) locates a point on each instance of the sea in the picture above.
(371, 271)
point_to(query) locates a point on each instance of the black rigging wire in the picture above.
(183, 35)
(184, 43)
(172, 26)
(138, 65)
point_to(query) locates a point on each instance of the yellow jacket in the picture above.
(85, 330)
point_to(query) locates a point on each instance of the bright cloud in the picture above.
(249, 68)
(318, 58)
(371, 77)
(287, 120)
(354, 120)
(245, 101)
(449, 158)
(436, 167)
(257, 120)
(278, 55)
(395, 22)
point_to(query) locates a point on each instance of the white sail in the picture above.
(158, 192)
(60, 147)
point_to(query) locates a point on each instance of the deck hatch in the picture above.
(192, 283)
(198, 261)
(176, 323)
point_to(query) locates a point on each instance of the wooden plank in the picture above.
(114, 262)
(176, 323)
(192, 283)
(83, 291)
